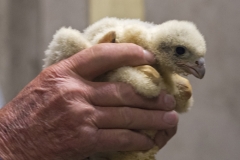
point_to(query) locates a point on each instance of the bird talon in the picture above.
(151, 73)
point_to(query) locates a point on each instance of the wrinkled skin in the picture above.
(64, 114)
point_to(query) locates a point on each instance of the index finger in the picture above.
(101, 58)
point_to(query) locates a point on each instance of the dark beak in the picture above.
(197, 69)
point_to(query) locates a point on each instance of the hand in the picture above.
(64, 114)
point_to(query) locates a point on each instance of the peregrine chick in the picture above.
(178, 47)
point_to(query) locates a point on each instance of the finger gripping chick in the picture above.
(179, 50)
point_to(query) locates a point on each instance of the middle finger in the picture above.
(134, 118)
(121, 94)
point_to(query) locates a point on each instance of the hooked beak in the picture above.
(197, 69)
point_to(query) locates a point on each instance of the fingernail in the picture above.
(170, 118)
(149, 56)
(169, 101)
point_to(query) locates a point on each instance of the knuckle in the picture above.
(121, 92)
(126, 114)
(127, 94)
(88, 111)
(124, 140)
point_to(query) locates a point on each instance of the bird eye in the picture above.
(180, 50)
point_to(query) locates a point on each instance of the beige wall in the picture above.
(211, 131)
(99, 9)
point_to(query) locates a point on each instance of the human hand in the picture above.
(64, 114)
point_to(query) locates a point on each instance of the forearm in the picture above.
(20, 127)
(14, 138)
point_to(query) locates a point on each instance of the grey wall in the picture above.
(3, 46)
(26, 28)
(210, 131)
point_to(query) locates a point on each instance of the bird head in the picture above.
(179, 47)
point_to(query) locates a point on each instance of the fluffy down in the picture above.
(179, 49)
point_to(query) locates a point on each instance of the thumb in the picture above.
(101, 58)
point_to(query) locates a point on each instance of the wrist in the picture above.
(11, 141)
(15, 138)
